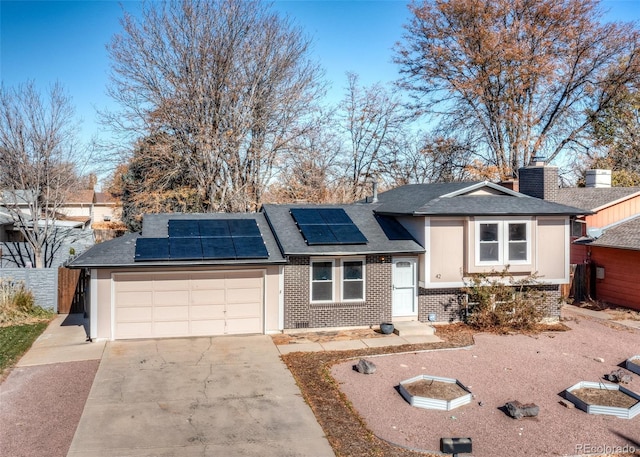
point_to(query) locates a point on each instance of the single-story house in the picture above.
(404, 256)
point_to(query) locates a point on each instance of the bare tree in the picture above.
(523, 76)
(373, 120)
(229, 80)
(310, 171)
(39, 161)
(425, 158)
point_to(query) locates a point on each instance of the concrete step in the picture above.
(412, 328)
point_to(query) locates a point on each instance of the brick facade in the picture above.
(299, 312)
(448, 304)
(443, 305)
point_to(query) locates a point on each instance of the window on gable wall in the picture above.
(337, 277)
(503, 242)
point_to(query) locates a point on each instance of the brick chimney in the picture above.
(539, 180)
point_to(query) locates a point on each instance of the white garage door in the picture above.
(152, 305)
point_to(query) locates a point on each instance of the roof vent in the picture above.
(594, 232)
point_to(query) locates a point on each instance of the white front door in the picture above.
(404, 287)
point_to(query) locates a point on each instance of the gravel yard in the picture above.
(497, 369)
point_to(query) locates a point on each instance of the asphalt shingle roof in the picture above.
(376, 228)
(625, 235)
(595, 198)
(120, 252)
(435, 200)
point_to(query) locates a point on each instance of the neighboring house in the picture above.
(404, 257)
(6, 226)
(106, 208)
(615, 259)
(601, 240)
(608, 205)
(70, 232)
(78, 207)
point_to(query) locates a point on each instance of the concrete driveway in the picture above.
(230, 396)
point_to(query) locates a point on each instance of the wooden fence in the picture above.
(72, 289)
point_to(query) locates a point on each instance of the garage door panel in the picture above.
(135, 282)
(170, 297)
(135, 314)
(170, 313)
(215, 283)
(134, 330)
(243, 282)
(207, 327)
(188, 304)
(169, 283)
(244, 310)
(173, 328)
(239, 296)
(240, 326)
(207, 297)
(207, 312)
(136, 298)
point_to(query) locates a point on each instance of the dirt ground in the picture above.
(604, 397)
(497, 369)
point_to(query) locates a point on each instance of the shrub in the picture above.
(499, 302)
(17, 304)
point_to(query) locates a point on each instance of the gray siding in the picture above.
(43, 282)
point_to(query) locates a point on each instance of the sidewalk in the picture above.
(602, 315)
(64, 340)
(364, 343)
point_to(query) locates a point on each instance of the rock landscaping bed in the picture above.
(363, 415)
(435, 389)
(604, 397)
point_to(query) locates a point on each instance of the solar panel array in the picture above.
(327, 226)
(205, 239)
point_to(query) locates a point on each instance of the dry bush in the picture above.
(17, 304)
(499, 302)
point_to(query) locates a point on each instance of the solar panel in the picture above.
(218, 248)
(306, 216)
(214, 227)
(183, 228)
(320, 226)
(334, 216)
(152, 249)
(208, 239)
(348, 234)
(185, 248)
(243, 227)
(392, 228)
(317, 234)
(250, 247)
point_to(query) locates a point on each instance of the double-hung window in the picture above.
(342, 278)
(503, 242)
(322, 281)
(352, 280)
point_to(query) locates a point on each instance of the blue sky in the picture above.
(65, 41)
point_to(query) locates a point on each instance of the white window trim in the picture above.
(503, 242)
(333, 280)
(364, 279)
(337, 279)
